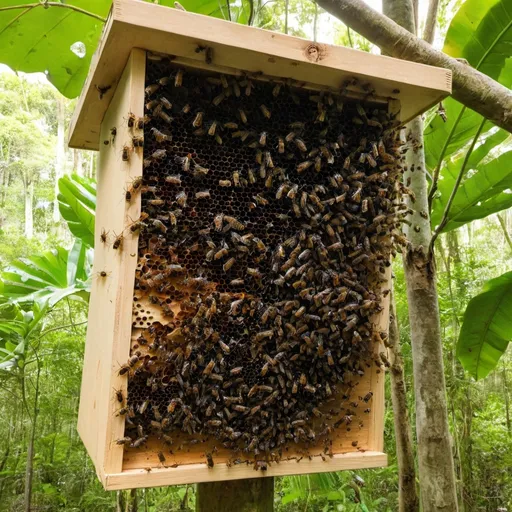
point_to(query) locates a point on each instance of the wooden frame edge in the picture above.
(197, 473)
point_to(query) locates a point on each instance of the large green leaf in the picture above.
(481, 33)
(77, 204)
(16, 329)
(484, 191)
(49, 277)
(487, 327)
(39, 39)
(60, 41)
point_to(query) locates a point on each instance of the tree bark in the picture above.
(28, 185)
(503, 225)
(431, 22)
(437, 478)
(473, 89)
(407, 496)
(61, 154)
(251, 495)
(29, 472)
(435, 461)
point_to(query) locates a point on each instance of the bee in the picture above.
(224, 183)
(151, 89)
(204, 194)
(304, 165)
(181, 199)
(138, 142)
(139, 442)
(178, 79)
(125, 154)
(263, 139)
(209, 460)
(227, 266)
(243, 116)
(233, 223)
(301, 145)
(131, 120)
(124, 440)
(218, 99)
(119, 395)
(159, 154)
(104, 236)
(118, 242)
(265, 111)
(160, 136)
(198, 120)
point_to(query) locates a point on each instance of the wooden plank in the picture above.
(248, 49)
(109, 327)
(195, 473)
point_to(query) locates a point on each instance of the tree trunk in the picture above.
(437, 479)
(132, 501)
(507, 402)
(61, 154)
(407, 496)
(506, 234)
(29, 473)
(435, 461)
(28, 185)
(251, 495)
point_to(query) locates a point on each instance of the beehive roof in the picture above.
(241, 49)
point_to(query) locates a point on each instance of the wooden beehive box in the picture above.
(303, 171)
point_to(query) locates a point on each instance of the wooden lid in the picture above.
(241, 49)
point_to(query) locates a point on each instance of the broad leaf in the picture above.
(487, 327)
(57, 41)
(16, 329)
(484, 191)
(48, 278)
(60, 41)
(481, 33)
(77, 204)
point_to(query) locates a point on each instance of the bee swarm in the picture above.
(269, 216)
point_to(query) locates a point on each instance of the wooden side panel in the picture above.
(109, 327)
(247, 49)
(195, 473)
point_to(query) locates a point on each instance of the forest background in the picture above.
(47, 199)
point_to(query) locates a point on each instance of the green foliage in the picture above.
(77, 204)
(42, 39)
(481, 33)
(487, 328)
(50, 277)
(484, 191)
(60, 41)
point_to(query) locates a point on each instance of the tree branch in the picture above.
(472, 88)
(430, 24)
(53, 4)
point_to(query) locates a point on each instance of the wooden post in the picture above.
(250, 495)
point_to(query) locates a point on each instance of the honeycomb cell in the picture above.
(267, 288)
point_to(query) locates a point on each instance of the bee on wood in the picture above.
(104, 236)
(118, 242)
(124, 440)
(125, 153)
(209, 460)
(161, 457)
